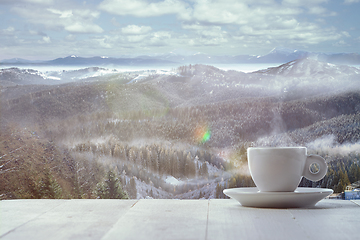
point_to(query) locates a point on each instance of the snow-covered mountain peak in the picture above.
(282, 50)
(309, 66)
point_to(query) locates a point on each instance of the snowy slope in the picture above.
(307, 67)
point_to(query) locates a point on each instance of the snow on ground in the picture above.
(99, 73)
(52, 78)
(145, 190)
(173, 181)
(208, 191)
(147, 73)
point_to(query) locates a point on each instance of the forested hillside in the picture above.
(179, 135)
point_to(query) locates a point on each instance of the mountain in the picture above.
(176, 134)
(74, 60)
(305, 76)
(276, 55)
(103, 61)
(310, 67)
(16, 76)
(339, 58)
(283, 55)
(280, 55)
(308, 77)
(19, 61)
(201, 58)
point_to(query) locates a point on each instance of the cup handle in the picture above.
(322, 165)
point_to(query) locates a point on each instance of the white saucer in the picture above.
(301, 197)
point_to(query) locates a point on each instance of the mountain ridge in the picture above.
(276, 55)
(309, 66)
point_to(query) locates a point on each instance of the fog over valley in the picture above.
(174, 130)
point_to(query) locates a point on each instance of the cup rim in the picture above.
(276, 148)
(295, 147)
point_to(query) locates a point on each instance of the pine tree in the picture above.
(132, 155)
(33, 188)
(110, 188)
(117, 151)
(154, 160)
(190, 169)
(218, 191)
(204, 172)
(141, 161)
(232, 182)
(353, 173)
(162, 162)
(49, 188)
(132, 188)
(174, 164)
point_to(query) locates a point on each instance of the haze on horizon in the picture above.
(47, 29)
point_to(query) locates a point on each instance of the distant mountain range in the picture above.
(277, 55)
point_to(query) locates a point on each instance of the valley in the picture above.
(180, 133)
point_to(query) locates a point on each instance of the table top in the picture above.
(175, 219)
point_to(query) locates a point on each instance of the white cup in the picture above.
(280, 169)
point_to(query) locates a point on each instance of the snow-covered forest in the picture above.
(170, 134)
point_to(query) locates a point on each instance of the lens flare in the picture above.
(206, 136)
(202, 134)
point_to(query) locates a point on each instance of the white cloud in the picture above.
(141, 8)
(351, 1)
(135, 38)
(104, 42)
(257, 11)
(239, 13)
(271, 20)
(303, 2)
(346, 34)
(45, 2)
(160, 38)
(73, 21)
(206, 22)
(215, 12)
(37, 33)
(40, 2)
(317, 10)
(147, 40)
(257, 25)
(45, 39)
(263, 22)
(341, 43)
(300, 35)
(78, 21)
(313, 6)
(8, 31)
(70, 37)
(83, 27)
(206, 35)
(61, 14)
(135, 30)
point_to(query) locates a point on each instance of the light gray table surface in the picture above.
(175, 219)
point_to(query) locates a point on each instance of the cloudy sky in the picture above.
(47, 29)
